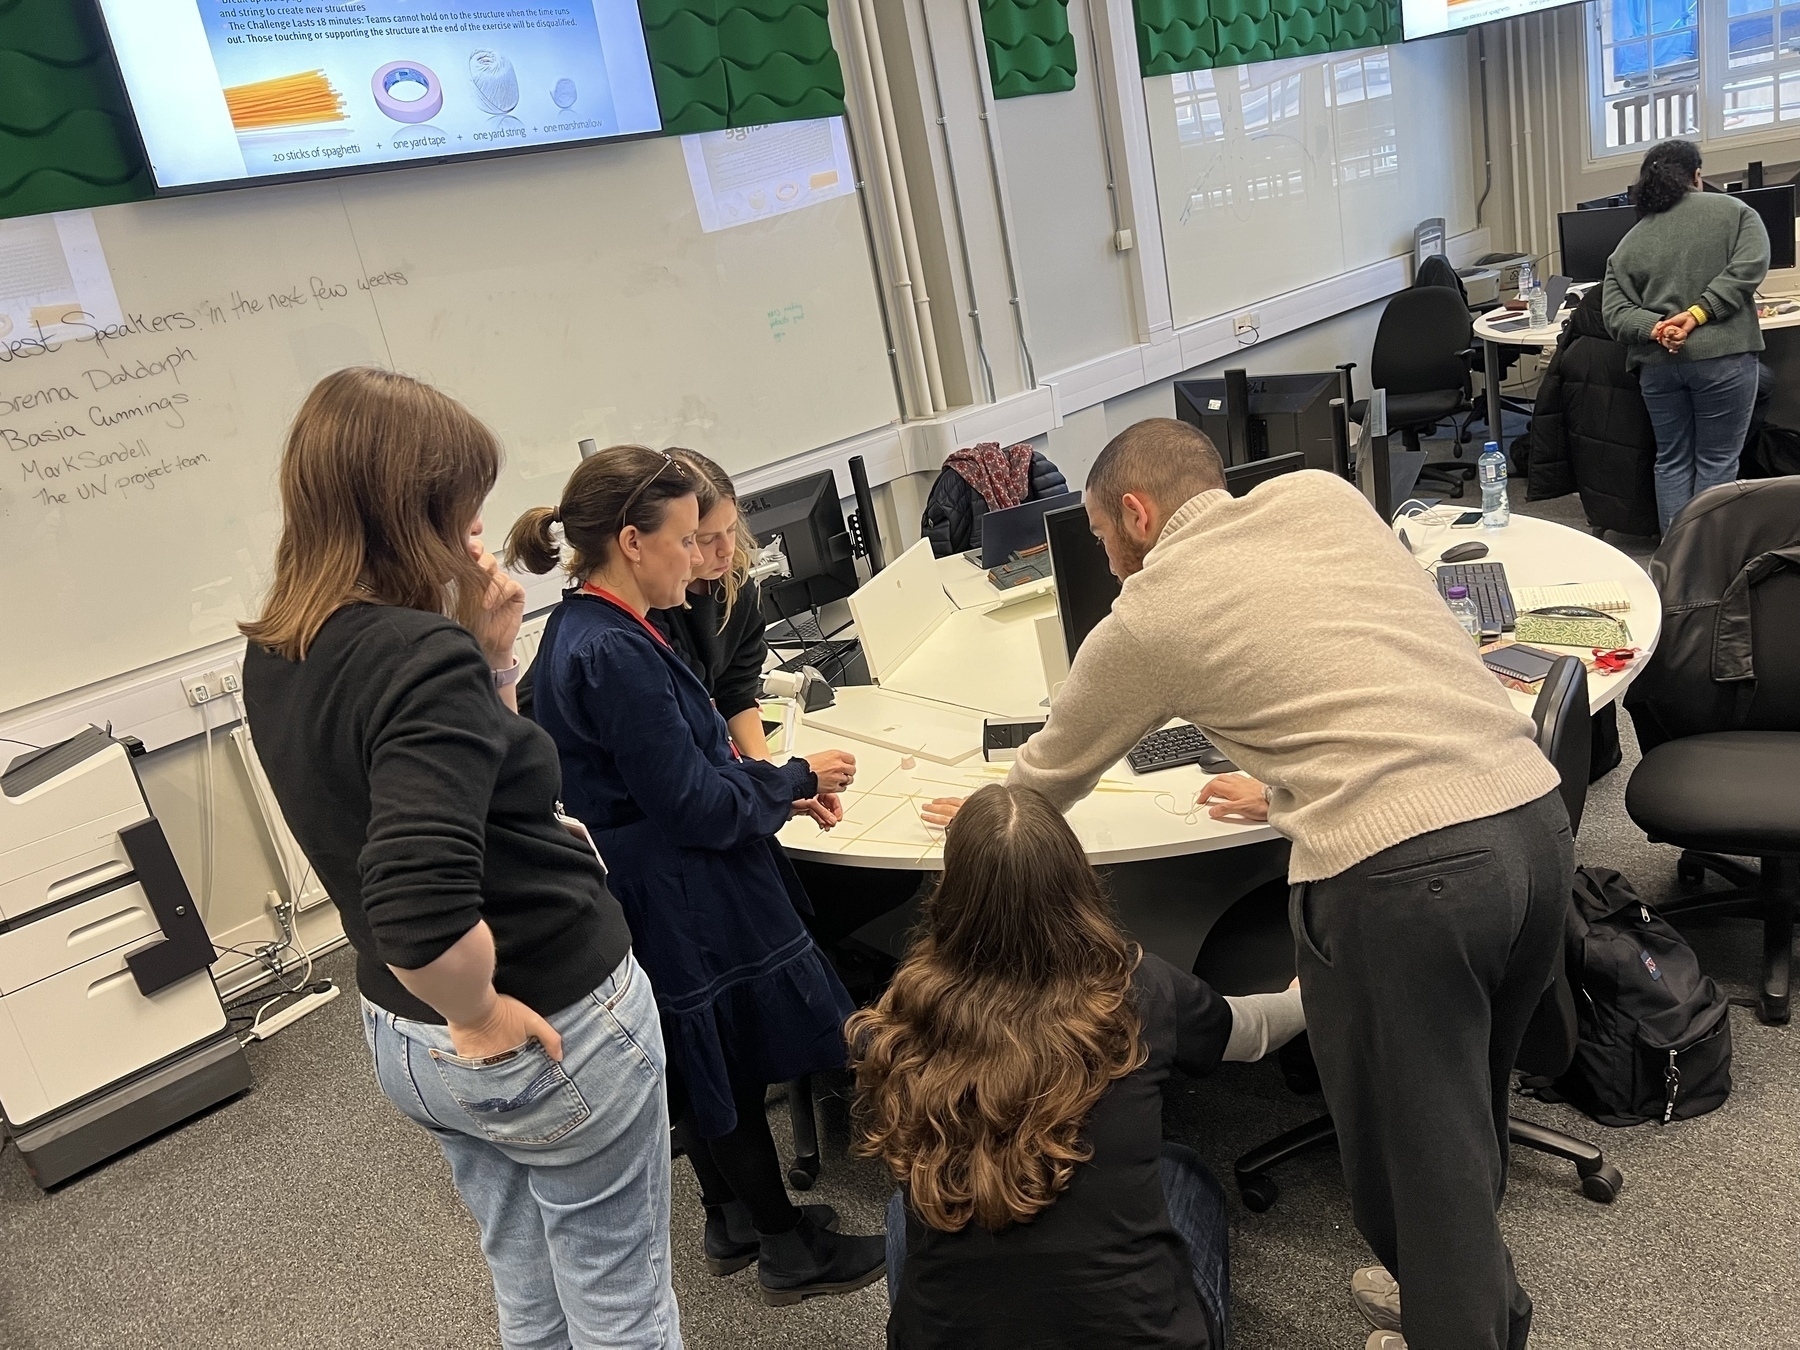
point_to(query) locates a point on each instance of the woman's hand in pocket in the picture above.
(507, 1025)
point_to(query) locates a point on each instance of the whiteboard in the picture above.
(560, 296)
(1277, 175)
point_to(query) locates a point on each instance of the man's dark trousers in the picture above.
(1421, 968)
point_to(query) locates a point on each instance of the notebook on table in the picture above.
(1607, 596)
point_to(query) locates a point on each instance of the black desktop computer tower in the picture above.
(1288, 414)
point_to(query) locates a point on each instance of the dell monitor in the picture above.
(809, 520)
(1085, 585)
(1776, 207)
(1288, 414)
(1241, 478)
(1587, 239)
(1016, 529)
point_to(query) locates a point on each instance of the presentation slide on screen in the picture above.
(232, 89)
(1422, 18)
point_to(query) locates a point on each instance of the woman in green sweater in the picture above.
(1680, 292)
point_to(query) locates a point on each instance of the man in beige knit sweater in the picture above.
(1432, 858)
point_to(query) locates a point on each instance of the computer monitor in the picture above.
(1288, 414)
(1240, 478)
(1776, 207)
(808, 517)
(1085, 585)
(1017, 528)
(1587, 239)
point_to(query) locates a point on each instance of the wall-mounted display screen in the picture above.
(233, 91)
(1423, 18)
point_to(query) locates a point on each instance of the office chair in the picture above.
(1728, 783)
(1423, 355)
(1564, 734)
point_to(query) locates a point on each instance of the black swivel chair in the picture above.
(1423, 355)
(1564, 734)
(1722, 696)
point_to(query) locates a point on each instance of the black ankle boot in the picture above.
(810, 1260)
(731, 1241)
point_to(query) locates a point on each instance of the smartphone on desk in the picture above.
(1468, 520)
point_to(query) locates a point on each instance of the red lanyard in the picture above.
(614, 600)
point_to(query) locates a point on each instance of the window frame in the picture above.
(1707, 84)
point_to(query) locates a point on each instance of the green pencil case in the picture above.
(1569, 626)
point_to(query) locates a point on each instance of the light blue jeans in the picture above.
(1701, 412)
(564, 1166)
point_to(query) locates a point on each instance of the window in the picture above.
(1707, 69)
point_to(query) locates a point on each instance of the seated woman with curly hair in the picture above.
(1011, 1078)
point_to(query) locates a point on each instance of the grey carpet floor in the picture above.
(308, 1213)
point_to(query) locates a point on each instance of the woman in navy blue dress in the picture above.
(686, 827)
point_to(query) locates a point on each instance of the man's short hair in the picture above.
(1165, 460)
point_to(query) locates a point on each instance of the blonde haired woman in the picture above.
(501, 1002)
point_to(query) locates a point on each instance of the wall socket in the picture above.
(1247, 322)
(213, 684)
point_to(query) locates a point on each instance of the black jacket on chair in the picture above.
(953, 512)
(1590, 431)
(1724, 544)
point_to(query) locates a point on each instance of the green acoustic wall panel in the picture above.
(66, 138)
(1030, 49)
(739, 63)
(1176, 35)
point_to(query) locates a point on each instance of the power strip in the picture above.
(293, 1013)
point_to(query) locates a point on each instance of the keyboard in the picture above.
(1175, 746)
(823, 657)
(1487, 588)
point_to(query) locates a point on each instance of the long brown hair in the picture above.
(712, 477)
(610, 489)
(1010, 1015)
(381, 477)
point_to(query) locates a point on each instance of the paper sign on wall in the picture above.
(54, 285)
(751, 173)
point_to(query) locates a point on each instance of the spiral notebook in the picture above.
(1608, 596)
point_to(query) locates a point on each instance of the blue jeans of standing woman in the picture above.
(1701, 412)
(1196, 1204)
(564, 1166)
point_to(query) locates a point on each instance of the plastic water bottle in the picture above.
(1536, 302)
(1492, 469)
(1457, 597)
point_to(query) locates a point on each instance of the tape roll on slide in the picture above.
(408, 91)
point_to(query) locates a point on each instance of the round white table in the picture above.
(983, 659)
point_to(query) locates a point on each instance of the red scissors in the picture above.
(1614, 661)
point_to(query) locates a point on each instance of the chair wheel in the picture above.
(1258, 1192)
(1692, 873)
(800, 1179)
(1603, 1185)
(1457, 490)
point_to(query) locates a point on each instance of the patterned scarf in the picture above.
(1002, 477)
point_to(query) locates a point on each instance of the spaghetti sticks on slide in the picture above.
(288, 100)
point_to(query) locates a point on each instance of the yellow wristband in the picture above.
(1700, 315)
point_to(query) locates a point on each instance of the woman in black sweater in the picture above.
(501, 1002)
(1011, 1078)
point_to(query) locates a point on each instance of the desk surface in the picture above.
(984, 657)
(1547, 335)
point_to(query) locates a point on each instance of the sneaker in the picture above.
(809, 1261)
(1385, 1340)
(731, 1241)
(1376, 1295)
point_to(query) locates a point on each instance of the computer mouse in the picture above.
(1464, 552)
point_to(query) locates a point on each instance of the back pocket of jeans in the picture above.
(525, 1098)
(1446, 865)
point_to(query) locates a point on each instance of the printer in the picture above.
(111, 1028)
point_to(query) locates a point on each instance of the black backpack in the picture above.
(1655, 1034)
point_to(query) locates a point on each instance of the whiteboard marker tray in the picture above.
(903, 722)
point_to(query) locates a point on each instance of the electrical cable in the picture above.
(13, 740)
(207, 821)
